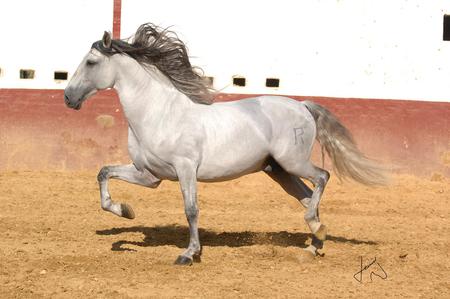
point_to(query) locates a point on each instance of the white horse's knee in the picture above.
(103, 174)
(191, 213)
(321, 179)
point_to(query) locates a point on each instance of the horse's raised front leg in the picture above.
(127, 173)
(187, 177)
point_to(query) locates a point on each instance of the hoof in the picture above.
(197, 258)
(127, 211)
(183, 261)
(321, 233)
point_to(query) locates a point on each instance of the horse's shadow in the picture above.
(179, 236)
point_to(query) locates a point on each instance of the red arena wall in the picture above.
(37, 131)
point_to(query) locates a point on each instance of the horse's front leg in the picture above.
(127, 173)
(187, 177)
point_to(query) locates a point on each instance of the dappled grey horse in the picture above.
(176, 133)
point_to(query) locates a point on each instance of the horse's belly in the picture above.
(231, 162)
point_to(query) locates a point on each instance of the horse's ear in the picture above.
(106, 39)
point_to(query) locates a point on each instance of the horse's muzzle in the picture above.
(72, 104)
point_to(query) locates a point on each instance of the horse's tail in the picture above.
(348, 160)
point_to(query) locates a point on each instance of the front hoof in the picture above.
(183, 261)
(127, 211)
(321, 233)
(197, 258)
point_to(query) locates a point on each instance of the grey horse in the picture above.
(176, 132)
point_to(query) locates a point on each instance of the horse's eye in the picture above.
(91, 62)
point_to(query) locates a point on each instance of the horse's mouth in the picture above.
(75, 106)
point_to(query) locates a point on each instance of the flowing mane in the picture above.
(152, 45)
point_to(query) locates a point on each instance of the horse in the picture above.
(177, 132)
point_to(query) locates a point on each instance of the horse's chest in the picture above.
(147, 156)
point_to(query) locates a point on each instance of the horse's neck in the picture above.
(147, 94)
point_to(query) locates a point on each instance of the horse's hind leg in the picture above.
(319, 178)
(127, 173)
(290, 183)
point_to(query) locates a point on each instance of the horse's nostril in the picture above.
(66, 99)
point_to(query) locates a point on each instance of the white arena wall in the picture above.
(388, 49)
(48, 36)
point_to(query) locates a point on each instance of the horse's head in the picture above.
(96, 72)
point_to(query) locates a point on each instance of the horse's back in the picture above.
(274, 116)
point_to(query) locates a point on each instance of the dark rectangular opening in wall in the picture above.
(26, 74)
(60, 75)
(272, 82)
(446, 35)
(239, 81)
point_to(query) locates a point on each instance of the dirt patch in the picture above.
(56, 240)
(105, 121)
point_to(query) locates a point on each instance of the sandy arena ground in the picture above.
(57, 242)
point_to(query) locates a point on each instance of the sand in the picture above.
(57, 242)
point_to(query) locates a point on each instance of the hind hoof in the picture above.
(183, 261)
(307, 255)
(127, 211)
(321, 233)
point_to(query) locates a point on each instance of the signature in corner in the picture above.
(358, 276)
